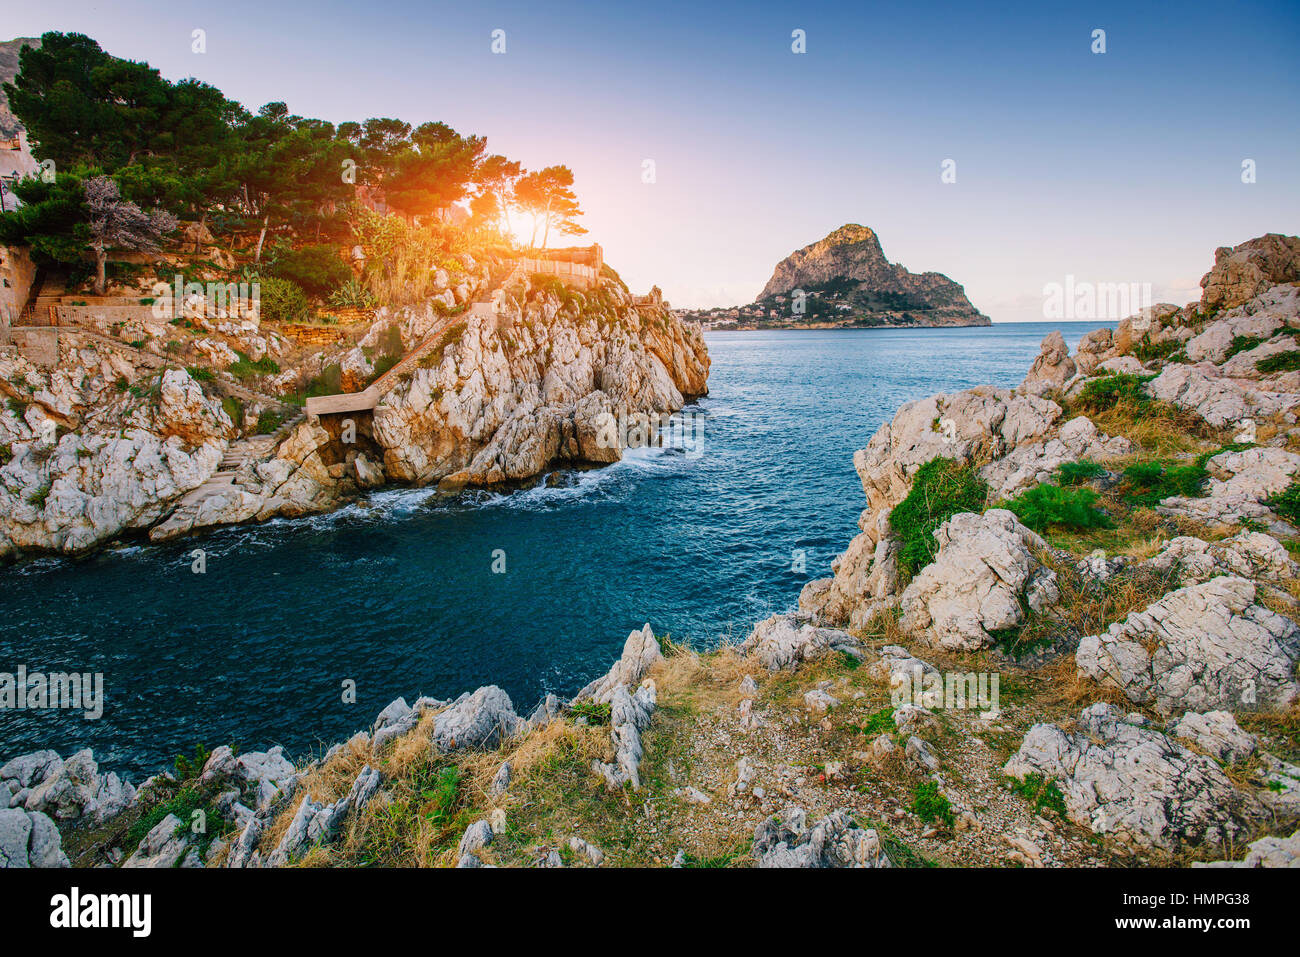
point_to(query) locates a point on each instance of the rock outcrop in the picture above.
(113, 439)
(834, 841)
(1201, 647)
(1123, 779)
(1242, 272)
(849, 267)
(1052, 369)
(982, 579)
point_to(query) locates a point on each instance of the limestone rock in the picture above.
(1036, 462)
(1220, 401)
(630, 714)
(640, 653)
(1217, 734)
(781, 642)
(29, 839)
(1134, 783)
(1052, 368)
(476, 721)
(1093, 349)
(834, 841)
(1238, 486)
(1243, 272)
(1247, 554)
(984, 566)
(1201, 647)
(164, 846)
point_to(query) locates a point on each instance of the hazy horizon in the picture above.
(1102, 166)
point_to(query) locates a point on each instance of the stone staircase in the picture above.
(369, 397)
(239, 453)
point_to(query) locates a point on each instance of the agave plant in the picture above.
(352, 295)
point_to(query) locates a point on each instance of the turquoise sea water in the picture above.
(398, 593)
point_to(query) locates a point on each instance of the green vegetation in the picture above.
(191, 766)
(1147, 483)
(1279, 362)
(268, 420)
(247, 179)
(595, 714)
(352, 295)
(1098, 395)
(281, 300)
(1046, 505)
(200, 373)
(317, 270)
(1242, 344)
(1041, 792)
(877, 723)
(1287, 503)
(442, 793)
(39, 495)
(246, 367)
(1145, 350)
(931, 806)
(1077, 473)
(940, 490)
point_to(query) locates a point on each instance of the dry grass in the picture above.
(1159, 428)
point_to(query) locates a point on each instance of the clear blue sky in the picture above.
(1118, 167)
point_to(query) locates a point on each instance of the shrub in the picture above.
(1241, 344)
(441, 795)
(245, 367)
(1146, 350)
(931, 806)
(940, 489)
(329, 382)
(1148, 483)
(1041, 792)
(1098, 395)
(352, 295)
(1076, 473)
(200, 373)
(1286, 503)
(280, 300)
(268, 420)
(1046, 505)
(316, 269)
(1279, 362)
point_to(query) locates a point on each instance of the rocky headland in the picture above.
(157, 427)
(1065, 635)
(844, 280)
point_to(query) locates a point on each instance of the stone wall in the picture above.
(17, 273)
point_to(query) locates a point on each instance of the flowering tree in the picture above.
(116, 223)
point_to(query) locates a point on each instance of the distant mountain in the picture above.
(9, 49)
(846, 280)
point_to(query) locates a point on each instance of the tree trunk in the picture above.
(261, 237)
(101, 260)
(547, 232)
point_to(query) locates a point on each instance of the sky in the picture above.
(1115, 167)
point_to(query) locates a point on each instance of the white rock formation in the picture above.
(834, 841)
(984, 575)
(781, 642)
(1135, 784)
(1199, 648)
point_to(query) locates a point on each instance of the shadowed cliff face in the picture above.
(850, 268)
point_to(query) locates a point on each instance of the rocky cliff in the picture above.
(846, 278)
(111, 438)
(1111, 544)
